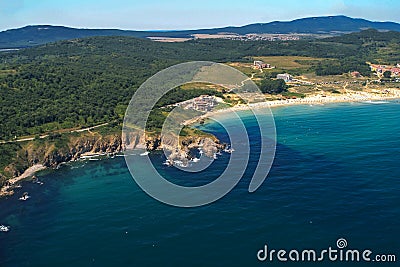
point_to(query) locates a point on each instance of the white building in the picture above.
(203, 103)
(285, 76)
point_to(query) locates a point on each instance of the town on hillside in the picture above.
(380, 70)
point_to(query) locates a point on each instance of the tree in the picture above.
(273, 86)
(387, 74)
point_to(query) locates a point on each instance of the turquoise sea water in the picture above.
(336, 175)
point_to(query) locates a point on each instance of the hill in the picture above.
(51, 89)
(41, 34)
(81, 82)
(316, 25)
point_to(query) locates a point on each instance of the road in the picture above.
(47, 135)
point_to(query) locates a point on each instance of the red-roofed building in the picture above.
(395, 71)
(380, 69)
(258, 64)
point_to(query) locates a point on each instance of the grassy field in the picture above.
(296, 65)
(245, 68)
(290, 62)
(218, 74)
(301, 68)
(199, 85)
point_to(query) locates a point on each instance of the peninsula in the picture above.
(65, 100)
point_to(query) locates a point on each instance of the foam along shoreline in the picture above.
(91, 155)
(309, 100)
(7, 190)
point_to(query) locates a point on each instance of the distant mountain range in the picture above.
(41, 34)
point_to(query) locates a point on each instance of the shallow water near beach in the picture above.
(336, 175)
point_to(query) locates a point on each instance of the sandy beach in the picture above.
(7, 190)
(318, 99)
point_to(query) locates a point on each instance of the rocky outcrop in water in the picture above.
(181, 151)
(51, 154)
(178, 149)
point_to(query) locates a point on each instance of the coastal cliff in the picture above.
(50, 153)
(178, 148)
(55, 151)
(39, 154)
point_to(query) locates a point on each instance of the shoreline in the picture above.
(7, 190)
(309, 100)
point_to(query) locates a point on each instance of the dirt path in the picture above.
(90, 128)
(61, 131)
(345, 86)
(248, 79)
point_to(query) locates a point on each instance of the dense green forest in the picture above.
(273, 86)
(375, 46)
(83, 82)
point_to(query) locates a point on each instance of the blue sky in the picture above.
(179, 14)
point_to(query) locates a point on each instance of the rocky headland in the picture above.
(35, 156)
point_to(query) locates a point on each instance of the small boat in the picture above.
(215, 156)
(36, 180)
(24, 197)
(229, 150)
(145, 153)
(92, 156)
(168, 163)
(195, 160)
(4, 228)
